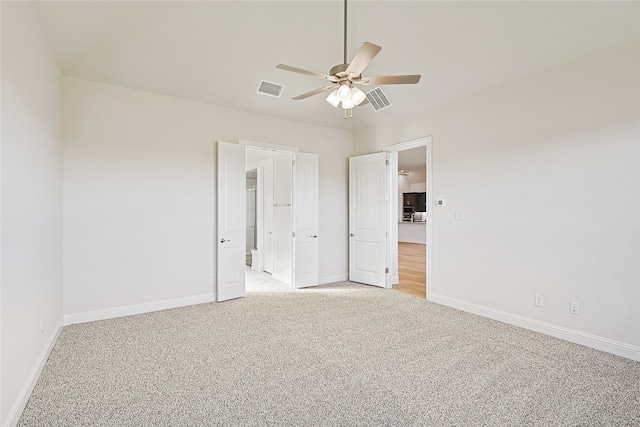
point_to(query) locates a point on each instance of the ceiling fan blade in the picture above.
(363, 57)
(391, 80)
(313, 92)
(307, 72)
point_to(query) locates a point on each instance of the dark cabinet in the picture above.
(417, 201)
(421, 202)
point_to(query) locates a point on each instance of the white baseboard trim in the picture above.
(129, 310)
(21, 402)
(332, 279)
(599, 343)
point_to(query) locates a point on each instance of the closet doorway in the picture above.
(291, 235)
(269, 220)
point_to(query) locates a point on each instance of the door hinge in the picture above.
(386, 270)
(386, 162)
(293, 234)
(293, 162)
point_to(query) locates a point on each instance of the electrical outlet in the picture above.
(213, 278)
(575, 308)
(539, 300)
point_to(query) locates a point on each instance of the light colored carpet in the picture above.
(340, 355)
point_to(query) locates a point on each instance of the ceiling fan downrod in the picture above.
(342, 67)
(344, 57)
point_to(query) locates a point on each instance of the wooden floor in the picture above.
(412, 269)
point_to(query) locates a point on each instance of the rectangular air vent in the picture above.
(269, 88)
(378, 99)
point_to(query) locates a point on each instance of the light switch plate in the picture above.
(441, 202)
(459, 214)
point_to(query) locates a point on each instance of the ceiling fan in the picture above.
(346, 77)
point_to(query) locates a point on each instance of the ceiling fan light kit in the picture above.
(357, 95)
(344, 77)
(333, 99)
(348, 97)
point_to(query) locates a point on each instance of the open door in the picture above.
(231, 222)
(368, 203)
(306, 219)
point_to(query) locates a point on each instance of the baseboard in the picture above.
(21, 402)
(332, 279)
(129, 310)
(418, 241)
(599, 343)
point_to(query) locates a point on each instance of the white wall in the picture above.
(547, 171)
(31, 189)
(138, 194)
(419, 187)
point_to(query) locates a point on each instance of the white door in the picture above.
(368, 219)
(265, 183)
(231, 222)
(306, 218)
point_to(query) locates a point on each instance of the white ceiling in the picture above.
(414, 162)
(218, 51)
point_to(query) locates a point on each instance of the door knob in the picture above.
(223, 240)
(315, 236)
(350, 234)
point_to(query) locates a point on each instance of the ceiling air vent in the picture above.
(378, 99)
(269, 88)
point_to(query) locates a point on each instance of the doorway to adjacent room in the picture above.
(411, 194)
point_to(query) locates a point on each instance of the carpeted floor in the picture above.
(340, 355)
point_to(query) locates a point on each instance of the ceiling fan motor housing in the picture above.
(338, 69)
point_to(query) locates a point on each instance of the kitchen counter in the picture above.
(412, 232)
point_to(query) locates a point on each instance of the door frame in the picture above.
(427, 142)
